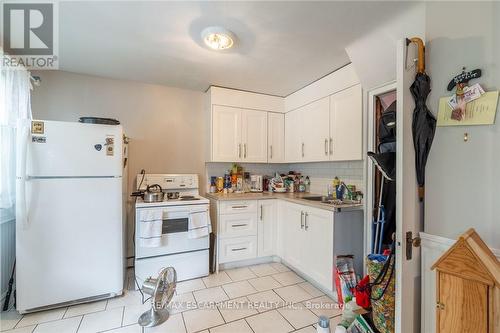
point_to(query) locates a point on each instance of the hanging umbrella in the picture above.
(424, 122)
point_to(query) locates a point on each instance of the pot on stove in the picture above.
(153, 193)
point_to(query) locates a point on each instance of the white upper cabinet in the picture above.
(293, 136)
(346, 125)
(329, 129)
(239, 126)
(238, 135)
(254, 136)
(226, 134)
(315, 131)
(321, 122)
(276, 137)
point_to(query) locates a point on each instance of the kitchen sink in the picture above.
(319, 198)
(326, 200)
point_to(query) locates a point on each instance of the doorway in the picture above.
(380, 100)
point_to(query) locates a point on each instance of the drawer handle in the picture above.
(238, 207)
(239, 249)
(238, 225)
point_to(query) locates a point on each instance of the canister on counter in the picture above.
(220, 184)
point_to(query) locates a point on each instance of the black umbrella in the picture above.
(424, 122)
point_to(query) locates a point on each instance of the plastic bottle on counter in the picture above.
(307, 183)
(302, 185)
(323, 325)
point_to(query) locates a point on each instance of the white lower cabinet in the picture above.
(306, 236)
(301, 235)
(236, 225)
(238, 248)
(267, 227)
(292, 235)
(318, 246)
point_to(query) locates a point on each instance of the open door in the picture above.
(407, 204)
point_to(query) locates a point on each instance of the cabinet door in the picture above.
(276, 137)
(316, 130)
(254, 131)
(346, 125)
(267, 225)
(236, 225)
(293, 136)
(318, 253)
(293, 235)
(464, 305)
(226, 134)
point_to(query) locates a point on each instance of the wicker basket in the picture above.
(383, 310)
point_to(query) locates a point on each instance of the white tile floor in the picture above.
(265, 298)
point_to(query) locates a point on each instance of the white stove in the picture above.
(185, 185)
(189, 256)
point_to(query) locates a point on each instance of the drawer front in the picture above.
(237, 207)
(237, 225)
(235, 249)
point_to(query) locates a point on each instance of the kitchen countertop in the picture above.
(295, 197)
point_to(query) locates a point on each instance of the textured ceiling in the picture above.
(281, 46)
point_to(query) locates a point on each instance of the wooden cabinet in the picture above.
(238, 135)
(276, 137)
(468, 288)
(346, 125)
(267, 227)
(307, 241)
(466, 305)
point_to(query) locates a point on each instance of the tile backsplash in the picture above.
(320, 173)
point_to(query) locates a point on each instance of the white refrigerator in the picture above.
(69, 230)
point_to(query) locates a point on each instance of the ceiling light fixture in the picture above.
(217, 38)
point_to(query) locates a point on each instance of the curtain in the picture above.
(15, 109)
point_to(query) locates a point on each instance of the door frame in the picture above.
(369, 166)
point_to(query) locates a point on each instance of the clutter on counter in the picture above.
(237, 180)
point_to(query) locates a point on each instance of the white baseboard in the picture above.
(432, 248)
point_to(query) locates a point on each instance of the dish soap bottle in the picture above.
(307, 182)
(336, 183)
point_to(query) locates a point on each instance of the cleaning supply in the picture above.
(307, 182)
(323, 325)
(336, 184)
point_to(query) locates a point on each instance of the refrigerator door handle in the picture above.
(22, 142)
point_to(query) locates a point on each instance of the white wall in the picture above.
(374, 54)
(463, 179)
(165, 125)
